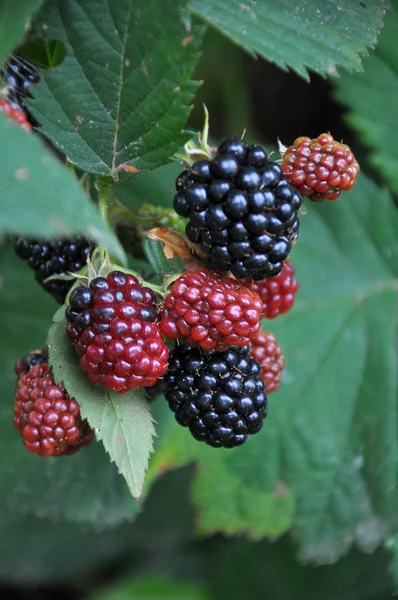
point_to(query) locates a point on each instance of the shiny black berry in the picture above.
(61, 257)
(218, 395)
(19, 74)
(241, 211)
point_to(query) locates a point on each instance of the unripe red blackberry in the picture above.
(113, 326)
(36, 357)
(218, 395)
(241, 211)
(320, 168)
(59, 257)
(264, 348)
(15, 115)
(277, 294)
(48, 420)
(211, 311)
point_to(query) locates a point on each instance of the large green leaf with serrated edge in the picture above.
(14, 18)
(83, 488)
(320, 35)
(326, 461)
(40, 197)
(123, 422)
(371, 98)
(120, 99)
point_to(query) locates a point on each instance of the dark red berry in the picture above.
(278, 293)
(211, 311)
(320, 168)
(112, 324)
(15, 115)
(36, 357)
(264, 348)
(48, 420)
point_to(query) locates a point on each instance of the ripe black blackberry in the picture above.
(218, 395)
(19, 74)
(242, 212)
(54, 258)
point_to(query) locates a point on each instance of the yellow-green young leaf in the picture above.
(120, 99)
(123, 422)
(326, 460)
(371, 101)
(83, 488)
(14, 18)
(40, 197)
(320, 35)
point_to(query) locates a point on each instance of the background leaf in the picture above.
(311, 34)
(130, 82)
(123, 422)
(371, 99)
(84, 488)
(41, 198)
(150, 588)
(14, 18)
(326, 459)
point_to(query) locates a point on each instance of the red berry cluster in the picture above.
(15, 115)
(210, 311)
(320, 168)
(48, 420)
(112, 324)
(265, 350)
(276, 293)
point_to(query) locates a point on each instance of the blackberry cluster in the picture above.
(48, 420)
(112, 325)
(218, 395)
(54, 258)
(36, 357)
(242, 212)
(19, 74)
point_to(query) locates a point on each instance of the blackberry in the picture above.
(113, 327)
(54, 258)
(241, 210)
(19, 74)
(218, 395)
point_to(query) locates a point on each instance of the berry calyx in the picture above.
(48, 420)
(218, 395)
(112, 324)
(210, 311)
(277, 294)
(60, 257)
(15, 115)
(264, 349)
(241, 211)
(320, 168)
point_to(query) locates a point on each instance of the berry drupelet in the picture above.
(210, 311)
(113, 326)
(36, 357)
(320, 168)
(241, 211)
(278, 293)
(15, 115)
(54, 258)
(48, 420)
(218, 395)
(264, 348)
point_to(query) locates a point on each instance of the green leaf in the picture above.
(152, 588)
(40, 197)
(14, 19)
(84, 488)
(311, 34)
(154, 251)
(371, 100)
(326, 460)
(135, 93)
(123, 422)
